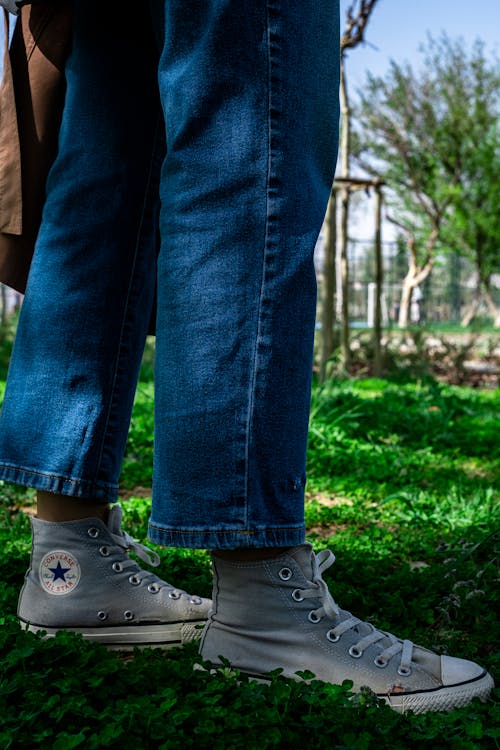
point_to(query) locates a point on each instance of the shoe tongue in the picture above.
(303, 556)
(115, 519)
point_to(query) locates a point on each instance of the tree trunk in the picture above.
(3, 292)
(482, 293)
(414, 277)
(417, 274)
(345, 351)
(405, 302)
(329, 282)
(343, 286)
(354, 34)
(493, 309)
(455, 295)
(472, 310)
(377, 327)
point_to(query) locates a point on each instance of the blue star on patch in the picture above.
(59, 572)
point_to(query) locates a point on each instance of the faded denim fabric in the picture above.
(230, 123)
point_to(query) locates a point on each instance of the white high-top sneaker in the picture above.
(278, 613)
(82, 579)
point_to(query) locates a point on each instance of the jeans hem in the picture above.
(60, 485)
(227, 538)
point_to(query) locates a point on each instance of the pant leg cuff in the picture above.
(226, 538)
(60, 485)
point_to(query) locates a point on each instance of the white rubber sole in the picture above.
(424, 701)
(444, 698)
(128, 637)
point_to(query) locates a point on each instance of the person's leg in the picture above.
(79, 344)
(249, 90)
(84, 319)
(249, 94)
(54, 507)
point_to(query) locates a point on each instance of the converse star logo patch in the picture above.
(59, 572)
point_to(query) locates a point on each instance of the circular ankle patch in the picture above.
(59, 572)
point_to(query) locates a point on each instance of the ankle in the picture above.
(57, 508)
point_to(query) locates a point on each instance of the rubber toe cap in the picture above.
(456, 671)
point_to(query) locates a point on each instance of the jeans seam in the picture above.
(114, 385)
(258, 337)
(228, 530)
(278, 536)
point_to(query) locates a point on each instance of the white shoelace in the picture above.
(329, 608)
(149, 556)
(146, 554)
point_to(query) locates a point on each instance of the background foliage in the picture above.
(403, 483)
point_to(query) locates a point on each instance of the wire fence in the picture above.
(445, 296)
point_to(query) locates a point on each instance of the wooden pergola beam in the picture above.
(358, 183)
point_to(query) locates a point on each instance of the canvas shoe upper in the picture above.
(82, 578)
(279, 613)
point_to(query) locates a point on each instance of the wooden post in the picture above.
(379, 277)
(343, 261)
(3, 294)
(329, 281)
(345, 350)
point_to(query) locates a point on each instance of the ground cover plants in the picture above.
(446, 353)
(403, 486)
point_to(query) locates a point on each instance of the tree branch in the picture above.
(356, 24)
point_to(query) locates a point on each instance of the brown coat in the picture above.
(31, 102)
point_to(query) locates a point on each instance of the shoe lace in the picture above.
(344, 621)
(126, 542)
(147, 555)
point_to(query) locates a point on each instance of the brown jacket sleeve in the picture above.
(31, 103)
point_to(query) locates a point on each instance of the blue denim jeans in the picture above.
(196, 153)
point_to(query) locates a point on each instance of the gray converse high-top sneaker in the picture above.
(278, 613)
(82, 579)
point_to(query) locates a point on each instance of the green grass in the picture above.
(403, 486)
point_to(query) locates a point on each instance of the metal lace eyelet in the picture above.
(117, 567)
(104, 551)
(102, 615)
(174, 595)
(381, 663)
(355, 652)
(404, 672)
(285, 574)
(93, 532)
(128, 615)
(313, 617)
(195, 600)
(134, 580)
(153, 588)
(332, 637)
(297, 596)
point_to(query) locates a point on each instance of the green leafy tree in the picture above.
(474, 225)
(432, 135)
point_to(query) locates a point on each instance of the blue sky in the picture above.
(398, 27)
(396, 30)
